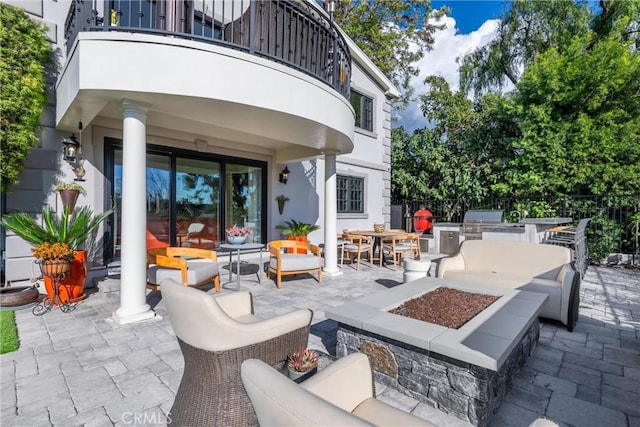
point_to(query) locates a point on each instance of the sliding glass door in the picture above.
(191, 198)
(244, 198)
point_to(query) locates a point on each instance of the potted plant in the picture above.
(54, 258)
(69, 192)
(238, 235)
(302, 364)
(281, 199)
(71, 230)
(295, 230)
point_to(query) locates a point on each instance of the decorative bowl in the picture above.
(236, 240)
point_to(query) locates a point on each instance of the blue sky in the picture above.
(471, 14)
(470, 24)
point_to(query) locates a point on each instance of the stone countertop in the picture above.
(447, 224)
(546, 221)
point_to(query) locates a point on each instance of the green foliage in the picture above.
(571, 126)
(603, 237)
(71, 229)
(69, 186)
(8, 332)
(535, 209)
(580, 128)
(394, 34)
(25, 53)
(294, 228)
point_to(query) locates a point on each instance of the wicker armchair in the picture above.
(216, 334)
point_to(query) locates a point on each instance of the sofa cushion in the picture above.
(198, 270)
(515, 258)
(553, 288)
(295, 262)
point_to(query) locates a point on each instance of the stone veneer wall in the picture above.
(469, 392)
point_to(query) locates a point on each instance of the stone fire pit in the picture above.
(465, 372)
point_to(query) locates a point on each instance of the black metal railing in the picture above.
(285, 31)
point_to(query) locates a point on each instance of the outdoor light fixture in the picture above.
(70, 150)
(284, 175)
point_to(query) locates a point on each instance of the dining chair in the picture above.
(354, 246)
(396, 246)
(216, 333)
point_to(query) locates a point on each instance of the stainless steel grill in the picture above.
(475, 220)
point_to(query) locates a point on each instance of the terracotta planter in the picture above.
(299, 239)
(69, 198)
(71, 289)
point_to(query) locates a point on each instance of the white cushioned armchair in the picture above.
(339, 395)
(189, 266)
(216, 333)
(294, 257)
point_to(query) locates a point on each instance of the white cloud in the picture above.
(441, 61)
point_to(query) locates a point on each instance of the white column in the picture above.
(330, 216)
(133, 274)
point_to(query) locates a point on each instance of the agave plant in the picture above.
(303, 360)
(72, 229)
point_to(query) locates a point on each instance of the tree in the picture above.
(464, 156)
(394, 34)
(580, 119)
(531, 27)
(25, 54)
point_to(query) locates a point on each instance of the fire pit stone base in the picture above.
(469, 392)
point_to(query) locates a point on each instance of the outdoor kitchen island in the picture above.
(465, 372)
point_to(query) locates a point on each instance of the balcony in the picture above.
(183, 56)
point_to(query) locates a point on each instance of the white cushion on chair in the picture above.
(198, 270)
(295, 262)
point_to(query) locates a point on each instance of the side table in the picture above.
(239, 248)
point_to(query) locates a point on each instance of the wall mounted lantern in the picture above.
(284, 175)
(71, 152)
(70, 149)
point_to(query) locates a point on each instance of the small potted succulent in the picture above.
(302, 364)
(238, 235)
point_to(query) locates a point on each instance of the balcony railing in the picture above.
(286, 31)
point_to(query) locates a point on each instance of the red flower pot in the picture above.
(71, 289)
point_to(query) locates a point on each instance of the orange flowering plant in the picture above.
(47, 251)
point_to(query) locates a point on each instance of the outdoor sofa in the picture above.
(532, 267)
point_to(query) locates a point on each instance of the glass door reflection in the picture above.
(197, 203)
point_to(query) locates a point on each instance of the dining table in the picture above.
(377, 236)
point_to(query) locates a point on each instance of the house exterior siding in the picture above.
(242, 106)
